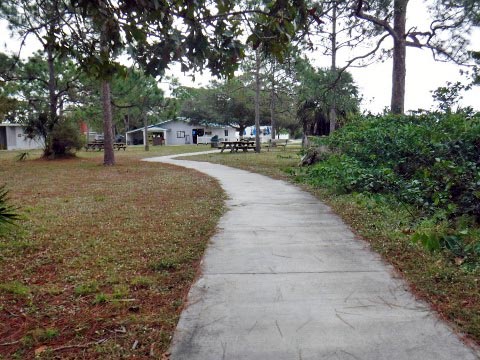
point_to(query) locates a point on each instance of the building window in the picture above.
(226, 132)
(180, 134)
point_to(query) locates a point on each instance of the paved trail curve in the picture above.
(285, 278)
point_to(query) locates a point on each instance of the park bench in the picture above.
(275, 143)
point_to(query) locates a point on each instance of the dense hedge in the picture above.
(431, 161)
(427, 164)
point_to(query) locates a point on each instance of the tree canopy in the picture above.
(84, 44)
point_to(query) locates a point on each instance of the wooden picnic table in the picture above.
(234, 146)
(98, 145)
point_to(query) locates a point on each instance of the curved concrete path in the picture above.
(285, 278)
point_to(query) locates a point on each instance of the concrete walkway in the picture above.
(285, 278)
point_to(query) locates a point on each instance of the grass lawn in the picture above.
(101, 262)
(275, 163)
(435, 277)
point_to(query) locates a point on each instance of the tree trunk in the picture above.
(52, 86)
(52, 97)
(145, 134)
(126, 122)
(333, 106)
(257, 100)
(108, 154)
(305, 142)
(272, 102)
(333, 117)
(399, 57)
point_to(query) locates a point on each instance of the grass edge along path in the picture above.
(434, 277)
(104, 257)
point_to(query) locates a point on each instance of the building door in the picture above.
(196, 133)
(3, 138)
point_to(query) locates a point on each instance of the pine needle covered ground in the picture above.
(100, 264)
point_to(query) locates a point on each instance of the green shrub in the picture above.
(61, 135)
(429, 162)
(65, 139)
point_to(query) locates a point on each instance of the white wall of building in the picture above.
(224, 134)
(16, 138)
(179, 133)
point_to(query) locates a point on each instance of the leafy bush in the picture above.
(65, 139)
(61, 137)
(428, 161)
(431, 161)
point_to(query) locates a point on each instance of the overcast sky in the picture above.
(423, 73)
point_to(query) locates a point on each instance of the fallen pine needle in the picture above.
(10, 343)
(79, 345)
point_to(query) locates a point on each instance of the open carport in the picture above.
(156, 136)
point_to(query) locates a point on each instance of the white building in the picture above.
(180, 132)
(13, 137)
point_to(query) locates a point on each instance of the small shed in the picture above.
(13, 137)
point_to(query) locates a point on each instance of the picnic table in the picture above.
(234, 146)
(98, 145)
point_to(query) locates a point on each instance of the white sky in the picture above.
(423, 73)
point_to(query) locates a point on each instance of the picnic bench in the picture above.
(99, 145)
(273, 143)
(234, 146)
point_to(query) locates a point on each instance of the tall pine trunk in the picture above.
(145, 134)
(108, 154)
(333, 106)
(399, 57)
(52, 98)
(52, 91)
(273, 123)
(257, 100)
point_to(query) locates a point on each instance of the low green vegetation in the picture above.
(427, 165)
(15, 288)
